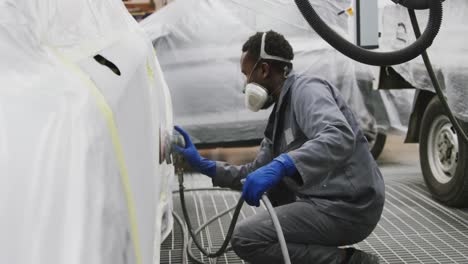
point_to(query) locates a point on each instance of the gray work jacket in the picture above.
(336, 171)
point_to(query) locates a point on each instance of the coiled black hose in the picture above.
(187, 242)
(413, 4)
(203, 226)
(370, 57)
(192, 233)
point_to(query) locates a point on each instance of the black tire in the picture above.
(376, 143)
(444, 157)
(378, 146)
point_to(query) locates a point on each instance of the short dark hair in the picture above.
(275, 44)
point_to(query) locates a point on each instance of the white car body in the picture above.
(83, 179)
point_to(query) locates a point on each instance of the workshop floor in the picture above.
(413, 228)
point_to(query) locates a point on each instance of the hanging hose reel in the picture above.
(419, 47)
(378, 58)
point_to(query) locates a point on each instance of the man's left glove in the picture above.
(191, 155)
(266, 177)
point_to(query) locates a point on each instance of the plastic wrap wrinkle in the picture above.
(199, 46)
(62, 193)
(449, 53)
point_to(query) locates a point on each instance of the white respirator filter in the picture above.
(255, 97)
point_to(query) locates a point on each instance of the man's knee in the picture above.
(240, 241)
(244, 242)
(237, 246)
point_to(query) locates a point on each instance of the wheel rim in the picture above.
(442, 149)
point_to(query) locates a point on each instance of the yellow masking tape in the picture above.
(149, 72)
(110, 121)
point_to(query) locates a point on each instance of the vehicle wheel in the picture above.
(377, 145)
(444, 157)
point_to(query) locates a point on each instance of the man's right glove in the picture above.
(264, 178)
(191, 155)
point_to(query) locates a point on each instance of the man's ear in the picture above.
(265, 70)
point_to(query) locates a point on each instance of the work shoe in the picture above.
(361, 257)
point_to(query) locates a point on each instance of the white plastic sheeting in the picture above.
(449, 52)
(80, 175)
(199, 46)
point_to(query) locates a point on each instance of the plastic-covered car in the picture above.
(199, 46)
(84, 114)
(443, 153)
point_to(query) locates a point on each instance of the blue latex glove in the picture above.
(191, 155)
(266, 177)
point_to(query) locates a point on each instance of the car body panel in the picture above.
(82, 181)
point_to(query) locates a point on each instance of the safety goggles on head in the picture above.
(264, 55)
(256, 96)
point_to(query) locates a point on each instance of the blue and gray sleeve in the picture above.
(230, 175)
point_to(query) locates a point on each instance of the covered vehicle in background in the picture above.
(84, 114)
(199, 46)
(443, 153)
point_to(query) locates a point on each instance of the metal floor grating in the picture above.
(413, 229)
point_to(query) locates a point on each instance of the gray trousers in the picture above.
(311, 236)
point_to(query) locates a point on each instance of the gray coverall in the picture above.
(337, 196)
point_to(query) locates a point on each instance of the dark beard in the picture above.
(270, 101)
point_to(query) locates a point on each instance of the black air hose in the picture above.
(413, 4)
(370, 57)
(435, 82)
(192, 233)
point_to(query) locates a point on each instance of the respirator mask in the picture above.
(256, 96)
